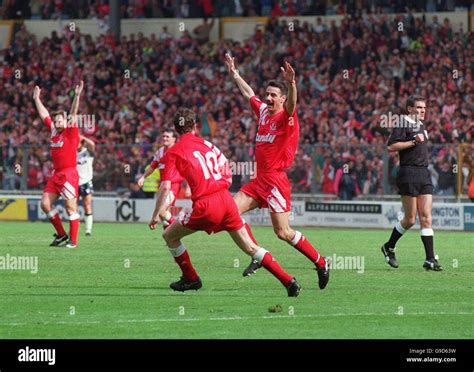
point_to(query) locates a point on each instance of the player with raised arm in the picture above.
(206, 170)
(65, 180)
(168, 140)
(276, 144)
(85, 159)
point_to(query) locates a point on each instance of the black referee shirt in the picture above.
(418, 155)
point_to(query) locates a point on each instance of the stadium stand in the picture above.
(339, 113)
(40, 9)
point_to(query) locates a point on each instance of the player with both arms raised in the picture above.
(206, 170)
(65, 180)
(276, 145)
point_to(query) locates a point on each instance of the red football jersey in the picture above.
(63, 145)
(277, 137)
(201, 164)
(155, 163)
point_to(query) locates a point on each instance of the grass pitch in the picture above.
(115, 285)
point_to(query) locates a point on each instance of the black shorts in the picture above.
(414, 181)
(86, 189)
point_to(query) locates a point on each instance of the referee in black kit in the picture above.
(413, 181)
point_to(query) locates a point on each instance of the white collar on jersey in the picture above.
(411, 121)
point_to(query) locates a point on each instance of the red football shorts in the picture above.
(271, 190)
(212, 213)
(64, 182)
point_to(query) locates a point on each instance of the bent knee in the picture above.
(70, 209)
(284, 234)
(168, 239)
(410, 221)
(425, 221)
(45, 205)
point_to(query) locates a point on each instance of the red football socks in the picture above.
(168, 222)
(58, 225)
(304, 246)
(74, 221)
(184, 263)
(272, 265)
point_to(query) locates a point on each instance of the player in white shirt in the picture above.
(85, 159)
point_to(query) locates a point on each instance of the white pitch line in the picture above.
(238, 318)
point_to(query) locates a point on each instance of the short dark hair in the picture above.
(278, 84)
(58, 112)
(170, 130)
(184, 120)
(414, 98)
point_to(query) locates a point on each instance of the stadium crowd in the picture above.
(67, 9)
(348, 77)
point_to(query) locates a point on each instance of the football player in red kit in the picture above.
(168, 141)
(206, 170)
(276, 144)
(64, 141)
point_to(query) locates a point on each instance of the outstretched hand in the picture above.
(78, 89)
(36, 92)
(229, 63)
(244, 88)
(287, 72)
